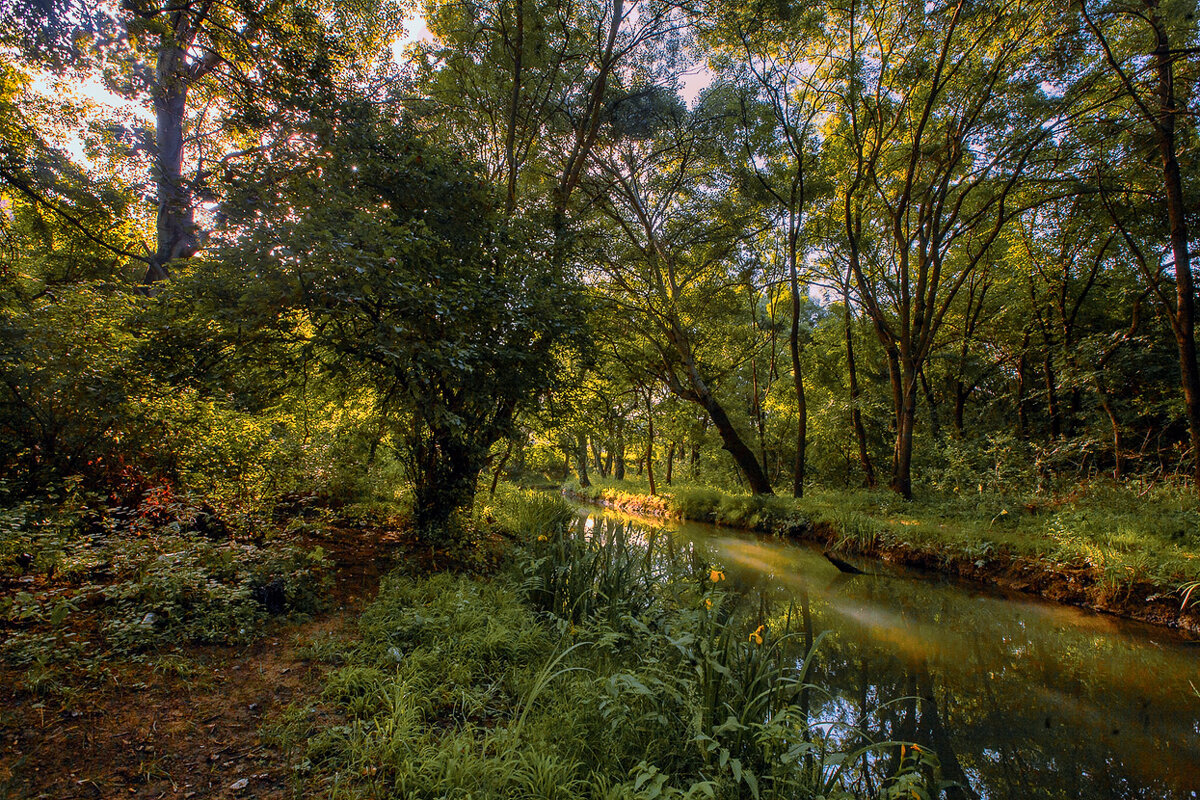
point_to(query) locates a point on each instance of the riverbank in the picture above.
(1108, 550)
(595, 663)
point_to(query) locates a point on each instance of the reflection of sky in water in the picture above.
(1022, 699)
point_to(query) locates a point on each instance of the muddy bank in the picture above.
(1076, 585)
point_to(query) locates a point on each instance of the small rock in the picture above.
(149, 620)
(239, 784)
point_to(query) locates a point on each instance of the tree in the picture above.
(772, 56)
(1147, 49)
(937, 121)
(670, 272)
(396, 254)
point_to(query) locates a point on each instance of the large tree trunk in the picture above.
(445, 474)
(578, 446)
(743, 456)
(1185, 291)
(175, 226)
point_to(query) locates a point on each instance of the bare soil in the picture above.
(193, 731)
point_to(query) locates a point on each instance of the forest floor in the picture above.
(190, 726)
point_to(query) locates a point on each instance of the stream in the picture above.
(1021, 698)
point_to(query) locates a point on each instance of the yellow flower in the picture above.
(756, 637)
(542, 538)
(716, 575)
(708, 602)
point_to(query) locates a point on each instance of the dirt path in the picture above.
(192, 731)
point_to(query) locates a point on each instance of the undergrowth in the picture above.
(600, 664)
(86, 585)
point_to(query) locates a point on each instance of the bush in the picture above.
(698, 503)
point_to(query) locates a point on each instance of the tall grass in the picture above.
(602, 665)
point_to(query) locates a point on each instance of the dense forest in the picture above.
(871, 268)
(920, 246)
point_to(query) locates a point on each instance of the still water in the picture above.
(1021, 698)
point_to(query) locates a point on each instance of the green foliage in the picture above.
(140, 580)
(697, 502)
(414, 286)
(649, 681)
(532, 514)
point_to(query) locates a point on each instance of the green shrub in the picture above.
(697, 502)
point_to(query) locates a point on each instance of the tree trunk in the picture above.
(1113, 423)
(578, 447)
(650, 449)
(935, 428)
(860, 431)
(175, 225)
(799, 466)
(905, 422)
(670, 463)
(500, 468)
(1185, 292)
(1022, 366)
(597, 461)
(619, 467)
(1052, 398)
(743, 456)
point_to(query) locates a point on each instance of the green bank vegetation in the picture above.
(593, 666)
(1122, 536)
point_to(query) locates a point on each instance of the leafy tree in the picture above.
(411, 283)
(939, 119)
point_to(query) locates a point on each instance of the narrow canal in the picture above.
(1020, 698)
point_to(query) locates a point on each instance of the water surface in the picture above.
(1021, 698)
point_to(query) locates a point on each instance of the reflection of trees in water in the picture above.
(1015, 701)
(1011, 713)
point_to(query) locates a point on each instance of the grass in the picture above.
(1123, 534)
(596, 665)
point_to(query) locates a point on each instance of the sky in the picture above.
(89, 88)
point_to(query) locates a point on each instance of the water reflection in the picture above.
(1021, 699)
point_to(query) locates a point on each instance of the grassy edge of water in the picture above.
(1107, 550)
(581, 670)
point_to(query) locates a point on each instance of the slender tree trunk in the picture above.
(650, 448)
(670, 463)
(500, 468)
(1113, 423)
(1052, 398)
(1022, 412)
(905, 422)
(597, 461)
(510, 202)
(860, 431)
(619, 467)
(799, 466)
(935, 428)
(961, 393)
